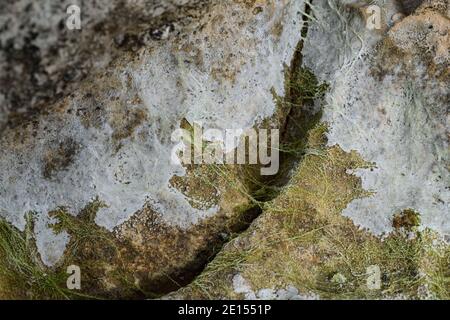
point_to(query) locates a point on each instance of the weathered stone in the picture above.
(108, 143)
(389, 102)
(382, 161)
(87, 146)
(41, 60)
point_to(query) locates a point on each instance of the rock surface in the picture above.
(110, 140)
(383, 163)
(86, 124)
(41, 60)
(389, 101)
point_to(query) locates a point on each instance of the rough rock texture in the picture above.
(389, 101)
(87, 116)
(41, 60)
(109, 141)
(381, 167)
(241, 286)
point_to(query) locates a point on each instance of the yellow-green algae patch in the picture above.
(22, 274)
(142, 258)
(301, 239)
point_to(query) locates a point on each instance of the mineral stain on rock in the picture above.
(59, 158)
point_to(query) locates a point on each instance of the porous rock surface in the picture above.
(110, 138)
(92, 118)
(41, 60)
(389, 101)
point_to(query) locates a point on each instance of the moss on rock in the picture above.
(302, 240)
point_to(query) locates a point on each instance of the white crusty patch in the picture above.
(392, 123)
(241, 286)
(169, 88)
